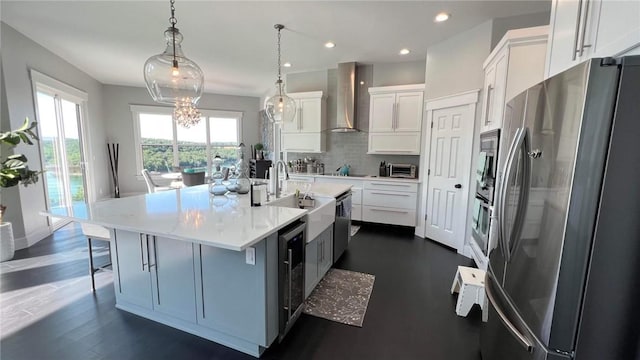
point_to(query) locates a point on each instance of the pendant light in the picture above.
(174, 79)
(279, 107)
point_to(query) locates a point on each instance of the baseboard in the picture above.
(466, 251)
(32, 238)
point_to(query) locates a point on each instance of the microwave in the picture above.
(403, 171)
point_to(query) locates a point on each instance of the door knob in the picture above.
(458, 186)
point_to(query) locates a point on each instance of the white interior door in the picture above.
(449, 165)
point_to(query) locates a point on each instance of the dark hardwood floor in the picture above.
(49, 312)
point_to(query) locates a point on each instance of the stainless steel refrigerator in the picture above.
(564, 278)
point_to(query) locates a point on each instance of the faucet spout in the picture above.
(277, 176)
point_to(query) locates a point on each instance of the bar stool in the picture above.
(96, 232)
(469, 282)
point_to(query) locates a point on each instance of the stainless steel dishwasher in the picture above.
(342, 225)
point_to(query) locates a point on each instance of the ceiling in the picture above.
(234, 42)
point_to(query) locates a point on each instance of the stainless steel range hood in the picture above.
(346, 98)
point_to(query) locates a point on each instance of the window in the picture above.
(162, 146)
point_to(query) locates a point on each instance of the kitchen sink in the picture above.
(319, 217)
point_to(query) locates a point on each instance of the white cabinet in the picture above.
(514, 65)
(318, 259)
(395, 119)
(583, 29)
(154, 273)
(306, 132)
(390, 202)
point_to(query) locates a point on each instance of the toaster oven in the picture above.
(408, 171)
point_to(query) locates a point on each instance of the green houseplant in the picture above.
(15, 171)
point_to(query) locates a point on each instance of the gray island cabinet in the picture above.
(189, 261)
(204, 290)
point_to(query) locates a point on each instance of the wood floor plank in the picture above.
(45, 295)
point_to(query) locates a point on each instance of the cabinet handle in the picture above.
(155, 265)
(201, 282)
(392, 211)
(389, 194)
(384, 184)
(576, 34)
(584, 27)
(489, 102)
(142, 253)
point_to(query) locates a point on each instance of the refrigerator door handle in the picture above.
(503, 317)
(521, 210)
(502, 231)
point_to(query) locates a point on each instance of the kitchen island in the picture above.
(205, 265)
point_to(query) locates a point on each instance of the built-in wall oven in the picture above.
(486, 181)
(291, 245)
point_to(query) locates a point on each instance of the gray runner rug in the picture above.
(341, 296)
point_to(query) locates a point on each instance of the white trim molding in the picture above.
(443, 102)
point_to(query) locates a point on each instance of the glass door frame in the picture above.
(59, 90)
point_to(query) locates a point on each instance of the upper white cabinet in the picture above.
(395, 119)
(583, 29)
(515, 64)
(306, 132)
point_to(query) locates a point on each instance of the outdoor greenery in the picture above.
(157, 154)
(14, 168)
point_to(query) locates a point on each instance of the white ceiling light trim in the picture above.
(443, 16)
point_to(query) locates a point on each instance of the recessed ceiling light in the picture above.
(330, 45)
(404, 51)
(361, 82)
(287, 64)
(442, 17)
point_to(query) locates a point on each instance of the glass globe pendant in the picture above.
(279, 107)
(171, 77)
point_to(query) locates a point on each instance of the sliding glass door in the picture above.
(59, 118)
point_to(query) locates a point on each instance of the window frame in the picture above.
(136, 110)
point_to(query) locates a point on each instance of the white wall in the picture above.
(19, 55)
(502, 25)
(455, 65)
(119, 125)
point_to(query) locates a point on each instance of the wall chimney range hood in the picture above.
(346, 96)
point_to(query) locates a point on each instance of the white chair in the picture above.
(151, 186)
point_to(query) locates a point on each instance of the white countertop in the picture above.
(362, 178)
(323, 189)
(190, 214)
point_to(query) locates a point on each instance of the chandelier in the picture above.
(279, 107)
(185, 113)
(171, 77)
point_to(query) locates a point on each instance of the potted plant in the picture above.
(14, 171)
(259, 147)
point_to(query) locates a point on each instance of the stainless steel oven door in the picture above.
(481, 223)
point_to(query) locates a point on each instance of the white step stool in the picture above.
(469, 282)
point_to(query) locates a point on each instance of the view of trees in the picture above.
(157, 154)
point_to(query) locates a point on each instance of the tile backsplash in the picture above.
(351, 149)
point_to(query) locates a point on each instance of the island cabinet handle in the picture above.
(155, 265)
(201, 282)
(142, 253)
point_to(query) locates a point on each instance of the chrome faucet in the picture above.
(277, 176)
